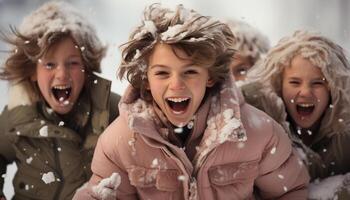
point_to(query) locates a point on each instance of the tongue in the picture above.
(181, 106)
(61, 95)
(304, 111)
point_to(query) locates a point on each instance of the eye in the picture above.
(317, 83)
(191, 71)
(161, 73)
(293, 82)
(74, 64)
(49, 65)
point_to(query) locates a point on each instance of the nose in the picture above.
(176, 83)
(305, 91)
(62, 73)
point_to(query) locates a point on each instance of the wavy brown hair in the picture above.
(21, 63)
(207, 42)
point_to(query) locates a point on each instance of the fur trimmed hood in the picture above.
(321, 52)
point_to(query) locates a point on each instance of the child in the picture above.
(184, 131)
(251, 45)
(57, 106)
(304, 85)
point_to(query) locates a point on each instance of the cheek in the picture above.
(323, 97)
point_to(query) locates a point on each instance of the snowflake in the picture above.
(43, 131)
(48, 177)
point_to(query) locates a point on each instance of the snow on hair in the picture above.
(249, 40)
(321, 52)
(207, 41)
(61, 17)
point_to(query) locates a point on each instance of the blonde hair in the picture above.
(250, 42)
(40, 31)
(321, 52)
(206, 41)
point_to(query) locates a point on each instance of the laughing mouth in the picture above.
(61, 92)
(178, 105)
(305, 109)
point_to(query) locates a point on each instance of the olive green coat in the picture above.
(327, 155)
(53, 154)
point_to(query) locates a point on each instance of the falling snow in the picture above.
(43, 131)
(48, 177)
(154, 163)
(29, 160)
(273, 150)
(181, 178)
(309, 132)
(178, 130)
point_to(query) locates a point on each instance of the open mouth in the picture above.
(178, 105)
(305, 109)
(61, 93)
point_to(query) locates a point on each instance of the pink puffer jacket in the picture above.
(242, 154)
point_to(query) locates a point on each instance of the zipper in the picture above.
(58, 170)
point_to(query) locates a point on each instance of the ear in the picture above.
(210, 82)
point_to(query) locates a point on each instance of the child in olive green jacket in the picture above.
(57, 105)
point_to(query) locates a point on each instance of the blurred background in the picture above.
(115, 19)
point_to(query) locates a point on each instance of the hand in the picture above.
(2, 198)
(107, 188)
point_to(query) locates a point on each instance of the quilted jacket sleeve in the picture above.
(106, 161)
(282, 174)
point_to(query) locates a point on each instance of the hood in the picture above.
(248, 40)
(321, 52)
(58, 16)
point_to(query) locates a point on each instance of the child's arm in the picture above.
(7, 154)
(106, 162)
(282, 174)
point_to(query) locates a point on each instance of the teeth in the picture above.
(305, 105)
(177, 100)
(61, 87)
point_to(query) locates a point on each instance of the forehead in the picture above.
(302, 68)
(63, 46)
(165, 54)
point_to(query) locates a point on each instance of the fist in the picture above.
(107, 188)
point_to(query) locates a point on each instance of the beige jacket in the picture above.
(242, 153)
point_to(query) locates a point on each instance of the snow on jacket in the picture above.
(326, 157)
(241, 152)
(327, 154)
(53, 157)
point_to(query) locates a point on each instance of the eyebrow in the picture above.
(165, 66)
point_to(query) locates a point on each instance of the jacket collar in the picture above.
(223, 118)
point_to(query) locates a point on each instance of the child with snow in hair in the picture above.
(304, 85)
(251, 46)
(184, 130)
(57, 105)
